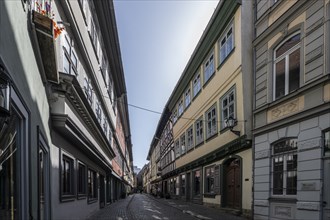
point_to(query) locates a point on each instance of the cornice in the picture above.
(235, 146)
(70, 87)
(67, 127)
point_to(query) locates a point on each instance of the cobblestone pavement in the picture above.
(145, 207)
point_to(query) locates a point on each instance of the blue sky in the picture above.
(157, 39)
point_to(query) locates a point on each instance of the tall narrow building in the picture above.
(292, 110)
(65, 147)
(204, 134)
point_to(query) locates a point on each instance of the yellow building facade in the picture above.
(209, 157)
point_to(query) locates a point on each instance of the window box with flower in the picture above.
(47, 31)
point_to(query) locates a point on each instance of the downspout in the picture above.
(253, 105)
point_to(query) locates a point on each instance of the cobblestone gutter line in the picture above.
(188, 212)
(129, 213)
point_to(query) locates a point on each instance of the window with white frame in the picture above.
(88, 90)
(98, 111)
(93, 36)
(190, 138)
(187, 97)
(175, 116)
(209, 179)
(196, 84)
(105, 126)
(183, 144)
(209, 67)
(284, 167)
(287, 67)
(226, 44)
(180, 108)
(228, 106)
(110, 136)
(110, 88)
(70, 60)
(177, 149)
(199, 131)
(211, 122)
(104, 67)
(85, 9)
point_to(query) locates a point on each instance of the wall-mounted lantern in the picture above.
(5, 84)
(4, 92)
(231, 123)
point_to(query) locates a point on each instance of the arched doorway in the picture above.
(232, 183)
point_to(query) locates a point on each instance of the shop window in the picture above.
(197, 182)
(81, 180)
(183, 184)
(284, 167)
(209, 179)
(67, 177)
(92, 185)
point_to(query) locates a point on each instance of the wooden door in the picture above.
(233, 184)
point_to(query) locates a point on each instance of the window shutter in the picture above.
(217, 179)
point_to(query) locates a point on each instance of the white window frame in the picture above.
(226, 96)
(105, 126)
(285, 155)
(211, 117)
(175, 116)
(285, 56)
(88, 90)
(110, 136)
(69, 55)
(177, 148)
(98, 111)
(199, 131)
(187, 97)
(228, 48)
(197, 84)
(190, 138)
(209, 67)
(183, 143)
(180, 108)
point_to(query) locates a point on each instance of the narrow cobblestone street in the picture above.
(145, 207)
